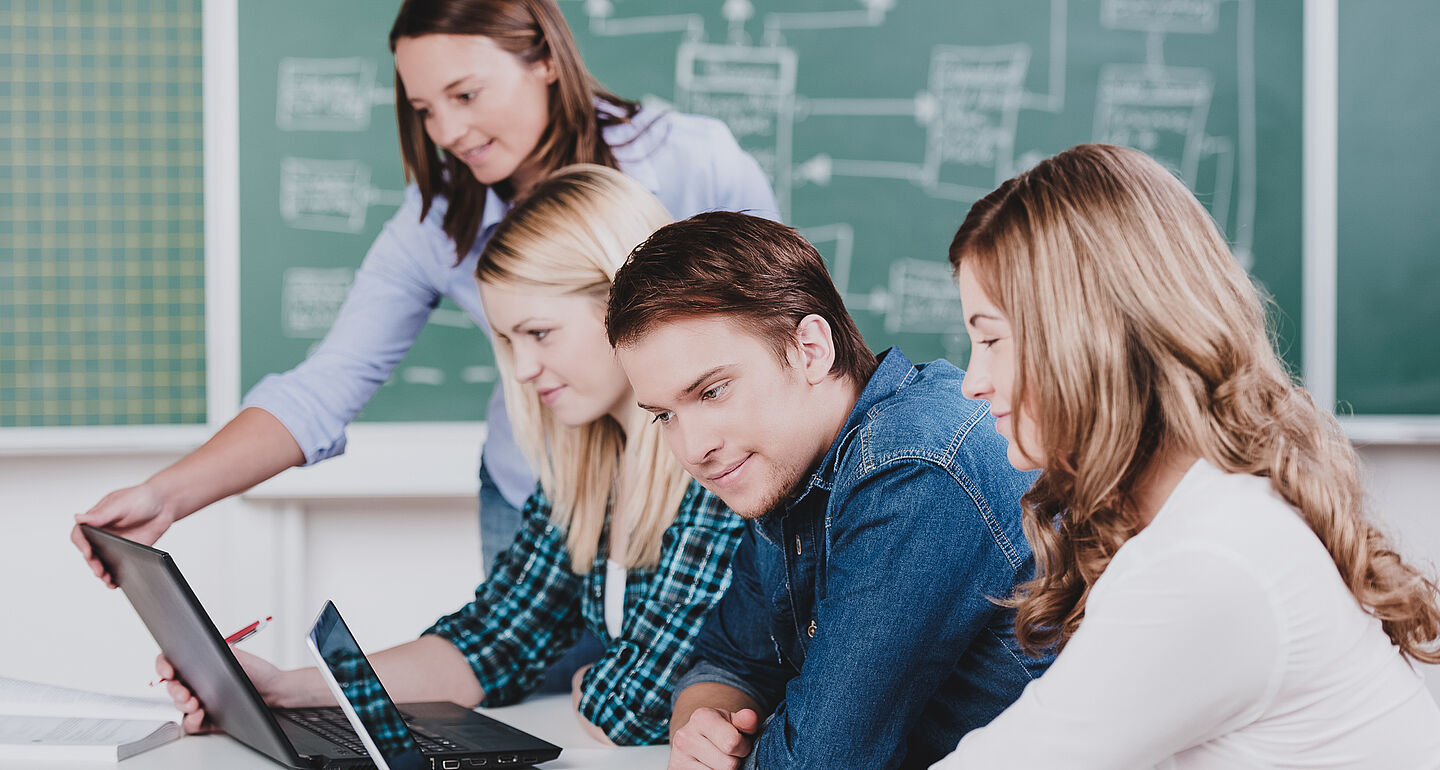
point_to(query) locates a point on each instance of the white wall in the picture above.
(391, 564)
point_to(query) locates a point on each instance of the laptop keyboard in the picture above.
(330, 723)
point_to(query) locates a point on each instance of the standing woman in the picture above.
(491, 97)
(1204, 562)
(616, 538)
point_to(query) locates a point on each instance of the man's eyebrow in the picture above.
(704, 376)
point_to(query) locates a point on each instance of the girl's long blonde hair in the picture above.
(1138, 331)
(569, 236)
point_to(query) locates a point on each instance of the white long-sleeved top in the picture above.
(1221, 636)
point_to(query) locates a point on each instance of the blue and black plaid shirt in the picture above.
(533, 608)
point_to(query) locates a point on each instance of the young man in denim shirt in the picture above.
(861, 628)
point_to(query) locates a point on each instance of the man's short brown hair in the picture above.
(761, 274)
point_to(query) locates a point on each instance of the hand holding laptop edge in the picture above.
(425, 669)
(266, 676)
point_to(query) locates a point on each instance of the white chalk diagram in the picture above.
(1163, 110)
(328, 94)
(310, 298)
(970, 107)
(332, 195)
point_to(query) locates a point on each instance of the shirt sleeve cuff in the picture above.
(752, 760)
(268, 395)
(705, 671)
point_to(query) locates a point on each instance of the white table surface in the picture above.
(547, 717)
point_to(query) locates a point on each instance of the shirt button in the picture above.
(811, 630)
(797, 545)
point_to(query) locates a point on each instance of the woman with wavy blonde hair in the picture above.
(1204, 563)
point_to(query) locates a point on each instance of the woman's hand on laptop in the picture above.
(193, 712)
(136, 513)
(269, 681)
(248, 450)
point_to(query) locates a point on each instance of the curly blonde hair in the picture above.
(1139, 332)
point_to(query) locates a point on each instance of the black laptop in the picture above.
(448, 736)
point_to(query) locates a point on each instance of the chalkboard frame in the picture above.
(1320, 105)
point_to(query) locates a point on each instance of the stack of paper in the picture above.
(41, 721)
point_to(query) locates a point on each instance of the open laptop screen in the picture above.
(361, 696)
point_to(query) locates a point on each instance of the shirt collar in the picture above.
(893, 372)
(635, 142)
(640, 167)
(495, 210)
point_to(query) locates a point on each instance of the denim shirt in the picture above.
(860, 615)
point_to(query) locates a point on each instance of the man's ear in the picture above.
(815, 345)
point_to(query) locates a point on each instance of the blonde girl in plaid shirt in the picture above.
(609, 492)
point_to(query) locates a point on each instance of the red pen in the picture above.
(248, 631)
(235, 638)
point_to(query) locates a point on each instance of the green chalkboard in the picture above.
(1388, 310)
(878, 122)
(102, 314)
